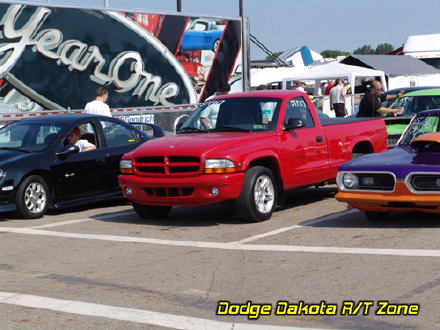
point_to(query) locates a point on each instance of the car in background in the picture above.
(388, 103)
(406, 178)
(40, 170)
(412, 103)
(202, 34)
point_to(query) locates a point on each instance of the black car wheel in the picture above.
(32, 198)
(150, 211)
(258, 196)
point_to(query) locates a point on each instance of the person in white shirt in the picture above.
(208, 116)
(98, 106)
(337, 98)
(83, 145)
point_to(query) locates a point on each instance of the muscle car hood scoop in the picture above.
(427, 142)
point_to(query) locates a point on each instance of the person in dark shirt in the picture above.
(371, 103)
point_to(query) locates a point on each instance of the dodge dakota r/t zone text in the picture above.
(248, 148)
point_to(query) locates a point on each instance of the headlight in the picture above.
(126, 166)
(350, 181)
(219, 166)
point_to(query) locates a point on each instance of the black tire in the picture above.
(151, 211)
(376, 216)
(258, 196)
(32, 198)
(216, 45)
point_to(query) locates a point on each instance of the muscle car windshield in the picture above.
(420, 125)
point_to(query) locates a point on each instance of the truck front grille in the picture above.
(168, 166)
(169, 192)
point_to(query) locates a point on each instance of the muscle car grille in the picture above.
(392, 140)
(168, 165)
(376, 181)
(421, 182)
(169, 192)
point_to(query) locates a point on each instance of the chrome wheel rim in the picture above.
(264, 194)
(35, 197)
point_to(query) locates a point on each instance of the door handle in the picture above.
(69, 174)
(319, 139)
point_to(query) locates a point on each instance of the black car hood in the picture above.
(12, 156)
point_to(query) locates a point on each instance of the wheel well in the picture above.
(272, 164)
(363, 147)
(46, 176)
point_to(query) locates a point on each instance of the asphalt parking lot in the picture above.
(102, 267)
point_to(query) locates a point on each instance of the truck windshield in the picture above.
(420, 125)
(251, 114)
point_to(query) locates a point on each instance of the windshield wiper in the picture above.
(231, 128)
(15, 149)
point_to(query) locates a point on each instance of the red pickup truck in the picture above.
(248, 148)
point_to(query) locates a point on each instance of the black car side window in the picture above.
(116, 134)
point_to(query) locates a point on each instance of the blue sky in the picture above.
(320, 24)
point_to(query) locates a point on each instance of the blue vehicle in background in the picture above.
(202, 34)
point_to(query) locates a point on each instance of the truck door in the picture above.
(303, 150)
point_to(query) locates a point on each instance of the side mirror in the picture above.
(293, 123)
(68, 149)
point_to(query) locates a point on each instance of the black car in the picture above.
(40, 169)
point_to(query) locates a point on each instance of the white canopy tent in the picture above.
(267, 75)
(334, 70)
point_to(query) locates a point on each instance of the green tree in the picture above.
(275, 55)
(333, 53)
(384, 48)
(364, 50)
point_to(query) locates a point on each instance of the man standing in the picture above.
(98, 106)
(208, 116)
(337, 98)
(371, 106)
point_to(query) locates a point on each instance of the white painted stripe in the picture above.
(229, 246)
(57, 224)
(302, 225)
(131, 314)
(103, 217)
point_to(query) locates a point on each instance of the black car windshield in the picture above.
(415, 104)
(28, 136)
(251, 114)
(419, 126)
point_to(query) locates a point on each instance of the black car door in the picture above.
(118, 139)
(82, 174)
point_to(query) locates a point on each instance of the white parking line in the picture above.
(131, 314)
(302, 225)
(102, 217)
(228, 246)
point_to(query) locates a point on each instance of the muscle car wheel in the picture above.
(258, 196)
(376, 215)
(32, 198)
(215, 45)
(150, 211)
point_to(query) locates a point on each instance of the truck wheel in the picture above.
(150, 211)
(375, 216)
(32, 198)
(258, 196)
